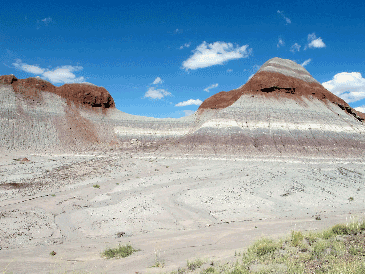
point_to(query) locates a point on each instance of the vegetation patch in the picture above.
(121, 251)
(339, 249)
(194, 264)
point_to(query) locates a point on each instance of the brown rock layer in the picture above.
(80, 94)
(7, 79)
(272, 84)
(87, 95)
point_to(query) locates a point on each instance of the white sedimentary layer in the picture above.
(131, 131)
(220, 124)
(288, 68)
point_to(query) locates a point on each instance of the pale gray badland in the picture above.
(264, 159)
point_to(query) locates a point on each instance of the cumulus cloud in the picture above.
(210, 87)
(306, 62)
(287, 20)
(189, 102)
(315, 42)
(154, 93)
(158, 80)
(186, 45)
(206, 55)
(295, 47)
(188, 112)
(280, 43)
(63, 74)
(35, 69)
(350, 86)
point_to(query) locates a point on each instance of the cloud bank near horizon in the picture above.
(349, 86)
(189, 102)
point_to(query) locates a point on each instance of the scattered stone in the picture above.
(120, 234)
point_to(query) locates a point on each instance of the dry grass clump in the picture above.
(339, 249)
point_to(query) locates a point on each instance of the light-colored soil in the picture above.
(171, 208)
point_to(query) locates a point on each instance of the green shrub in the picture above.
(96, 186)
(362, 225)
(319, 247)
(121, 251)
(263, 246)
(327, 234)
(340, 229)
(208, 270)
(296, 238)
(195, 264)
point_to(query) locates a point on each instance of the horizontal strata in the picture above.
(262, 124)
(287, 68)
(223, 123)
(280, 110)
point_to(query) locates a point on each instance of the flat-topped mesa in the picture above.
(84, 94)
(278, 78)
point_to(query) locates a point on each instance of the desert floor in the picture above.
(173, 209)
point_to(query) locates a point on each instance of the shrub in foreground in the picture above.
(121, 251)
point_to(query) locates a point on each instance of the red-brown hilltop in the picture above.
(7, 79)
(87, 95)
(81, 94)
(278, 78)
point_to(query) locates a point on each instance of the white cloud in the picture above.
(288, 21)
(58, 75)
(64, 74)
(361, 109)
(295, 47)
(280, 43)
(210, 87)
(206, 55)
(188, 112)
(189, 103)
(186, 45)
(158, 80)
(229, 70)
(315, 42)
(28, 68)
(156, 93)
(350, 86)
(306, 62)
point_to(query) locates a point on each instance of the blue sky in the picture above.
(162, 59)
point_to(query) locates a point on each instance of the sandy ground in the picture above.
(173, 209)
